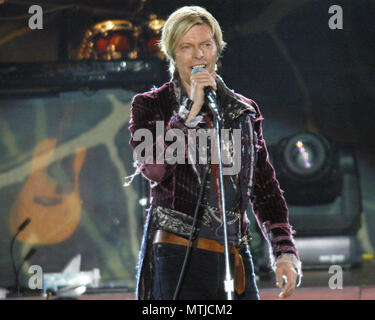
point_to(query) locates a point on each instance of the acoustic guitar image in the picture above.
(54, 216)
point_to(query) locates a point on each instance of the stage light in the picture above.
(308, 168)
(321, 183)
(305, 155)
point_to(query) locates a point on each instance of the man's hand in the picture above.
(198, 82)
(286, 272)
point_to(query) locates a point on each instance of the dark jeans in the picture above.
(204, 275)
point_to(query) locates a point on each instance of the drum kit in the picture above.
(122, 39)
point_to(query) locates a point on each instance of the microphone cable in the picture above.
(188, 249)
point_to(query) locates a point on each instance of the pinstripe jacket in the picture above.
(176, 186)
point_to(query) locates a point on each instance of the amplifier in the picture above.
(322, 252)
(318, 253)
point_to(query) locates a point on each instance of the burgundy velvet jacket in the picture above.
(177, 186)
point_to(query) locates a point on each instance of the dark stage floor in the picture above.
(358, 284)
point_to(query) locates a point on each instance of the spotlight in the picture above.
(321, 183)
(308, 168)
(322, 189)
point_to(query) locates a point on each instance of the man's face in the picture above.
(195, 47)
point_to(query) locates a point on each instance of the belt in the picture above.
(210, 245)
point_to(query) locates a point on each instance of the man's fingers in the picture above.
(205, 83)
(288, 289)
(204, 78)
(289, 286)
(286, 292)
(279, 278)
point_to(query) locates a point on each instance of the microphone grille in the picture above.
(196, 70)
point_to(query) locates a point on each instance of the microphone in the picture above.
(196, 70)
(24, 224)
(209, 93)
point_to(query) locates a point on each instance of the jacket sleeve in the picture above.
(146, 115)
(268, 202)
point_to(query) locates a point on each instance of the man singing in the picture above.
(192, 42)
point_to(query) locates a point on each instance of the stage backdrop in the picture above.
(62, 163)
(304, 75)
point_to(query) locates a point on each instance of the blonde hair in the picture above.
(180, 22)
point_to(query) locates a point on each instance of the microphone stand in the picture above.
(15, 270)
(29, 254)
(212, 104)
